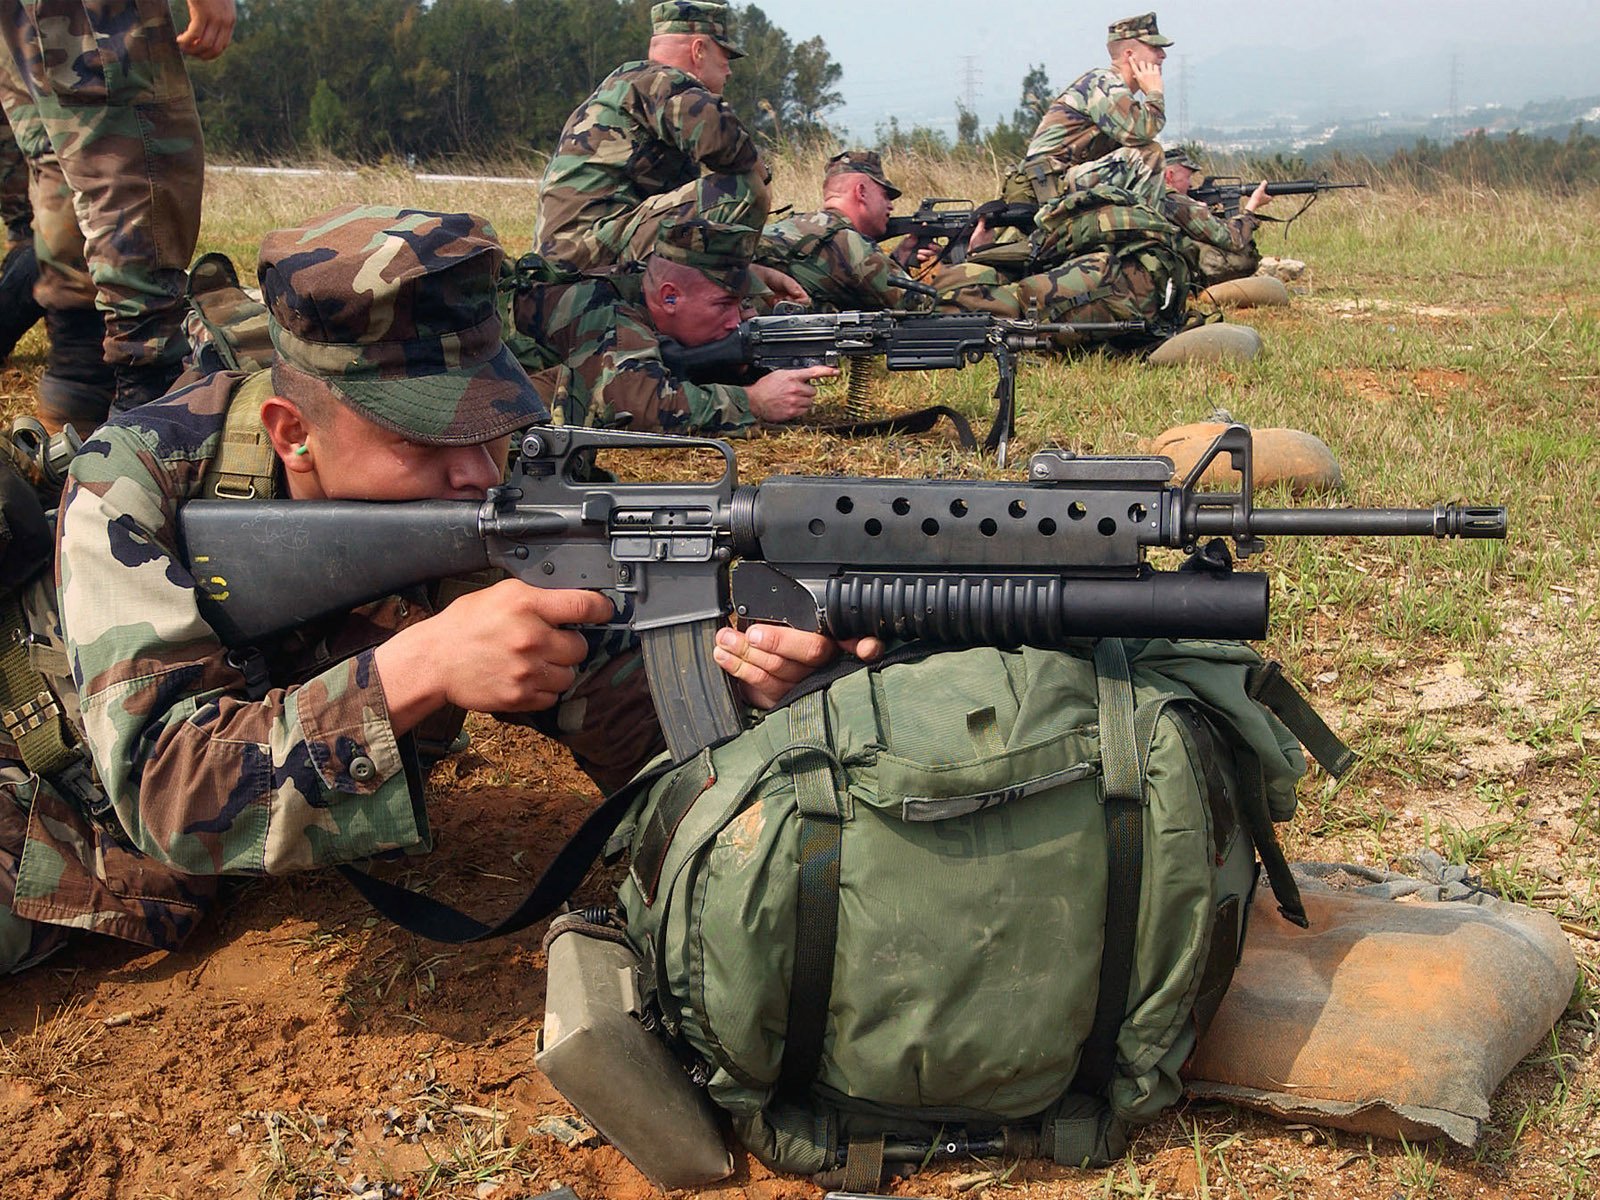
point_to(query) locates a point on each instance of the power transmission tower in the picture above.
(971, 78)
(1183, 97)
(1455, 96)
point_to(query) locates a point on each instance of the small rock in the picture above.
(1458, 772)
(235, 1130)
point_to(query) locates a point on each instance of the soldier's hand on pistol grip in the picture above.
(502, 649)
(786, 395)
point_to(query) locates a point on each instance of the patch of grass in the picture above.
(56, 1055)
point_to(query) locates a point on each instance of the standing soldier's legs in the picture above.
(125, 130)
(77, 384)
(726, 198)
(19, 312)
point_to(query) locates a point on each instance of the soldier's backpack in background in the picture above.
(985, 900)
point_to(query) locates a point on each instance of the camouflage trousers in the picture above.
(64, 280)
(1099, 286)
(631, 236)
(15, 211)
(22, 942)
(114, 99)
(607, 721)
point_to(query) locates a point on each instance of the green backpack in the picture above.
(981, 901)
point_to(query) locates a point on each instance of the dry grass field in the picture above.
(1445, 345)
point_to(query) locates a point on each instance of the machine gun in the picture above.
(1230, 191)
(959, 562)
(953, 222)
(906, 341)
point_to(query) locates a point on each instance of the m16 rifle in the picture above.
(953, 222)
(1058, 556)
(1229, 191)
(906, 342)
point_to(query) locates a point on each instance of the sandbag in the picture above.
(1218, 342)
(1389, 1018)
(1253, 291)
(1291, 456)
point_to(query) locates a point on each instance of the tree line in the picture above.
(447, 79)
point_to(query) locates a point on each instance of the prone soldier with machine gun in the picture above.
(920, 342)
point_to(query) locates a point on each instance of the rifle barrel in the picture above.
(1440, 521)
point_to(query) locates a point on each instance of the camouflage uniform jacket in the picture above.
(1093, 116)
(839, 267)
(647, 129)
(1199, 223)
(202, 777)
(599, 332)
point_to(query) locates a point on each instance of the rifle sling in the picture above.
(919, 420)
(440, 922)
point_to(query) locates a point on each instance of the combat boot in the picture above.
(18, 310)
(77, 384)
(140, 383)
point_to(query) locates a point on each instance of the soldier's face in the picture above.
(712, 66)
(695, 311)
(352, 458)
(875, 209)
(1179, 178)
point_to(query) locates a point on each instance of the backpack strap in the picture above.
(816, 918)
(31, 715)
(1268, 685)
(1122, 793)
(245, 467)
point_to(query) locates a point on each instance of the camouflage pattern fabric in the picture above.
(1101, 285)
(1096, 116)
(417, 347)
(1101, 251)
(64, 280)
(115, 99)
(15, 210)
(202, 777)
(650, 144)
(839, 268)
(608, 355)
(1220, 248)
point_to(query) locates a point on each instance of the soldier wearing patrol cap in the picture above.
(833, 253)
(656, 141)
(390, 382)
(1102, 110)
(1221, 248)
(598, 340)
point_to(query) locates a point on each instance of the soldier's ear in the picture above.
(287, 429)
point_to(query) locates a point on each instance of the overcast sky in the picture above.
(1231, 58)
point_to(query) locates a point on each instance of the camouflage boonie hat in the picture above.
(720, 252)
(1138, 29)
(395, 310)
(861, 162)
(1179, 157)
(695, 16)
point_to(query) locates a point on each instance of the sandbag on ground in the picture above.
(1217, 342)
(1386, 1017)
(1291, 456)
(1253, 291)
